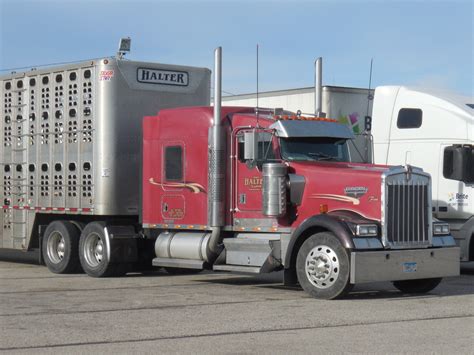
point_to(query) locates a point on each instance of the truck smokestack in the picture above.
(217, 85)
(318, 87)
(216, 173)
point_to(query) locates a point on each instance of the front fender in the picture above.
(322, 222)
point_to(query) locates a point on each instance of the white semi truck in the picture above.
(407, 126)
(433, 130)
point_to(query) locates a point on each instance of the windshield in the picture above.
(314, 149)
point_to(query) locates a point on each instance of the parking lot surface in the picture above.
(41, 312)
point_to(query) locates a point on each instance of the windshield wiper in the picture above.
(323, 156)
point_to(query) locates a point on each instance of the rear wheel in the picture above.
(60, 247)
(417, 286)
(322, 267)
(94, 254)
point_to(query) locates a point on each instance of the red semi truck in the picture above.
(254, 191)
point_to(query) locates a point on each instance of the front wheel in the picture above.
(417, 286)
(322, 267)
(94, 253)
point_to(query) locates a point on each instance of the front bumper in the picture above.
(394, 265)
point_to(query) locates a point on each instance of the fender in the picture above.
(121, 243)
(324, 221)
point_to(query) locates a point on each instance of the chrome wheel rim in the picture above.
(94, 249)
(56, 247)
(322, 266)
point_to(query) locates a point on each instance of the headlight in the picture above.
(441, 229)
(367, 230)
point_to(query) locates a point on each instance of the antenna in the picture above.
(257, 89)
(369, 95)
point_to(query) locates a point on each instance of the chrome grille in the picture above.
(407, 215)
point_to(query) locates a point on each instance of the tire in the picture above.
(60, 248)
(322, 267)
(417, 286)
(93, 253)
(181, 271)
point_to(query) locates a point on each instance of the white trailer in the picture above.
(348, 105)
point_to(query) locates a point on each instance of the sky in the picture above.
(418, 43)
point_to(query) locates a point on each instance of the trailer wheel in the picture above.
(93, 253)
(322, 266)
(60, 247)
(417, 286)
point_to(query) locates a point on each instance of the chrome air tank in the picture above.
(274, 189)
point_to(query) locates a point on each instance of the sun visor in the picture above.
(297, 128)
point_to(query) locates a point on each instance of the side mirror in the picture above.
(251, 145)
(458, 163)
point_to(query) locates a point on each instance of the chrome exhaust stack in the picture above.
(193, 250)
(216, 161)
(318, 88)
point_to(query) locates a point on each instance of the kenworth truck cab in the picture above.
(278, 192)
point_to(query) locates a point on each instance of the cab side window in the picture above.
(409, 118)
(174, 163)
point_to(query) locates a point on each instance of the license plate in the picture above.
(409, 267)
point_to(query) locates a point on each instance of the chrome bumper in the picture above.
(393, 265)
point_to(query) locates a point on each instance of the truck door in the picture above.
(248, 176)
(454, 197)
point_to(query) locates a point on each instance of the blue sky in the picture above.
(423, 43)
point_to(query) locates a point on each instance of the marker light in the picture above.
(303, 118)
(366, 230)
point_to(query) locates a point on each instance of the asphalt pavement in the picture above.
(41, 312)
